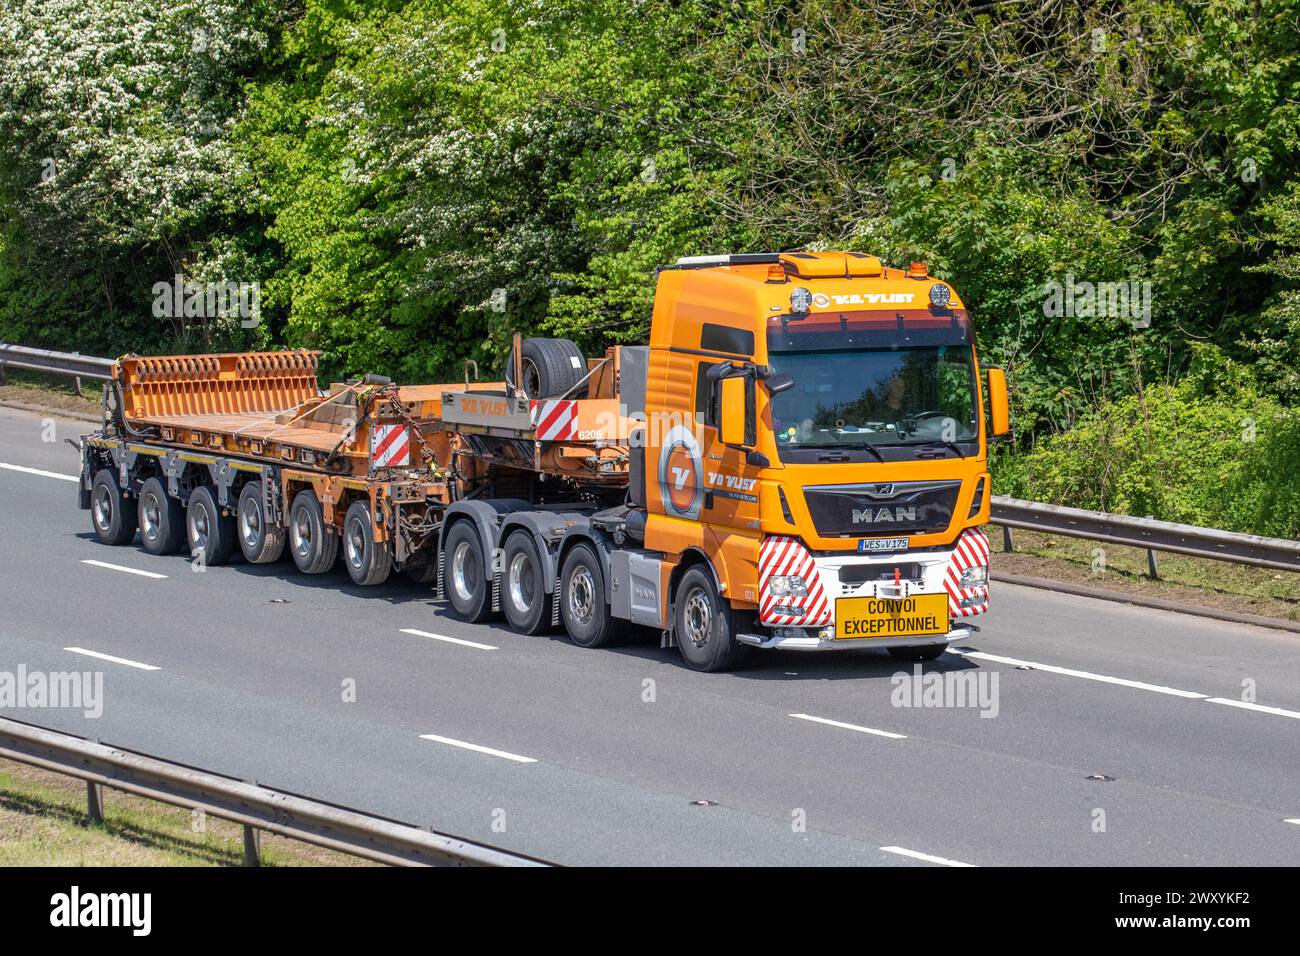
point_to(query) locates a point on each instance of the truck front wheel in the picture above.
(368, 561)
(467, 583)
(314, 549)
(114, 519)
(704, 625)
(582, 599)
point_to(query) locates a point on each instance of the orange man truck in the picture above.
(798, 460)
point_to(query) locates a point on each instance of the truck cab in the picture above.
(816, 450)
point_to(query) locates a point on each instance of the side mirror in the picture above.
(999, 410)
(778, 383)
(731, 420)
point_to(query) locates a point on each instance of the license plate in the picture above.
(857, 618)
(882, 544)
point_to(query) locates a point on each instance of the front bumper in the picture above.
(815, 639)
(808, 622)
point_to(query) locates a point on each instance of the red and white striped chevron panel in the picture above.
(555, 419)
(390, 446)
(781, 556)
(972, 551)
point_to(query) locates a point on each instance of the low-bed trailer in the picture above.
(796, 460)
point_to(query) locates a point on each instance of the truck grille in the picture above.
(866, 511)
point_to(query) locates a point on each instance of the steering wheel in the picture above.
(932, 413)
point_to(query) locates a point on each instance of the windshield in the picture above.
(878, 397)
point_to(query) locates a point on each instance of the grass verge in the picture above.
(56, 393)
(1217, 584)
(43, 822)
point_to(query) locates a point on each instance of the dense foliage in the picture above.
(411, 181)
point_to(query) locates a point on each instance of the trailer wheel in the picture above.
(162, 519)
(209, 533)
(260, 540)
(582, 599)
(525, 595)
(368, 562)
(704, 625)
(313, 548)
(551, 367)
(113, 518)
(467, 583)
(926, 652)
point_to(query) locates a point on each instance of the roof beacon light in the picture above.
(776, 273)
(917, 270)
(939, 294)
(800, 300)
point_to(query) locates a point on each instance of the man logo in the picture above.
(874, 516)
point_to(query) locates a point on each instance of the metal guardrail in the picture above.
(1010, 513)
(256, 807)
(54, 363)
(1168, 536)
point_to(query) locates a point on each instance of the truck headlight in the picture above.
(787, 585)
(975, 577)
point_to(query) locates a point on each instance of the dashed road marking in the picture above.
(118, 567)
(841, 724)
(37, 471)
(928, 858)
(478, 748)
(110, 657)
(449, 640)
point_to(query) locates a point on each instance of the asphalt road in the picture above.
(623, 756)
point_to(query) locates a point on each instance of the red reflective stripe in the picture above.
(393, 433)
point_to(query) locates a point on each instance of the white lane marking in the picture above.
(504, 754)
(1068, 672)
(1259, 707)
(1296, 822)
(110, 657)
(449, 640)
(916, 855)
(861, 730)
(37, 471)
(118, 567)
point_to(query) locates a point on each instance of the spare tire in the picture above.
(551, 367)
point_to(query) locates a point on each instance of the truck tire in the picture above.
(111, 515)
(525, 592)
(260, 540)
(421, 570)
(209, 534)
(368, 561)
(926, 652)
(703, 624)
(162, 519)
(583, 609)
(313, 548)
(551, 367)
(468, 587)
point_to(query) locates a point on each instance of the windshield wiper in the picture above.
(935, 443)
(866, 446)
